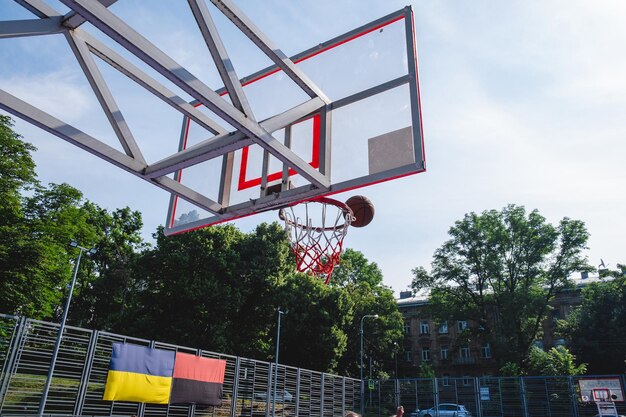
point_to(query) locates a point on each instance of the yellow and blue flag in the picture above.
(139, 374)
(157, 376)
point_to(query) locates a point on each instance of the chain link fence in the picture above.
(80, 373)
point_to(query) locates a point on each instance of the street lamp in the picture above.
(57, 345)
(362, 382)
(395, 358)
(280, 313)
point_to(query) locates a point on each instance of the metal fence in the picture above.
(26, 348)
(556, 396)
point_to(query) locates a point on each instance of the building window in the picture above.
(407, 327)
(424, 327)
(444, 352)
(467, 380)
(462, 325)
(408, 356)
(425, 354)
(446, 380)
(443, 327)
(464, 352)
(485, 350)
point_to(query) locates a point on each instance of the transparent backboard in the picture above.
(341, 115)
(369, 131)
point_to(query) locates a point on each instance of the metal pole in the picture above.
(55, 352)
(276, 364)
(370, 380)
(397, 384)
(395, 358)
(361, 367)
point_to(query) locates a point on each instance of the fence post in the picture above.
(343, 396)
(397, 388)
(380, 388)
(12, 354)
(477, 395)
(572, 395)
(500, 396)
(233, 405)
(84, 378)
(270, 381)
(322, 395)
(298, 391)
(523, 395)
(436, 394)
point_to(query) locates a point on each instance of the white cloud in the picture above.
(58, 93)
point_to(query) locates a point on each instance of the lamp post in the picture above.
(362, 382)
(395, 358)
(57, 345)
(280, 313)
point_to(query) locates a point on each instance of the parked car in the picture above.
(445, 410)
(281, 397)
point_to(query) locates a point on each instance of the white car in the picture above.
(444, 410)
(281, 397)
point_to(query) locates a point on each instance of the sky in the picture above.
(523, 102)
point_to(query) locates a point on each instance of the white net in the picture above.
(316, 230)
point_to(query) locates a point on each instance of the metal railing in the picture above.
(80, 374)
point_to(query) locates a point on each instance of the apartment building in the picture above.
(446, 346)
(450, 349)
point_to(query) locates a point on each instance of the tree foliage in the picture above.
(597, 330)
(216, 288)
(557, 361)
(500, 270)
(313, 332)
(363, 282)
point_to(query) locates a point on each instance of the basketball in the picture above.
(363, 210)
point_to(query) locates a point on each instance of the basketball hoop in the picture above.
(316, 230)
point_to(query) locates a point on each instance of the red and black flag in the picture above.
(197, 380)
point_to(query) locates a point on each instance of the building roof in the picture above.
(408, 299)
(414, 300)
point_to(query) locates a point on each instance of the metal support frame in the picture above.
(236, 112)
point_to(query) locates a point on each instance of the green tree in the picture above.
(500, 270)
(597, 330)
(53, 218)
(556, 361)
(313, 332)
(363, 282)
(107, 285)
(213, 288)
(17, 256)
(426, 370)
(35, 231)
